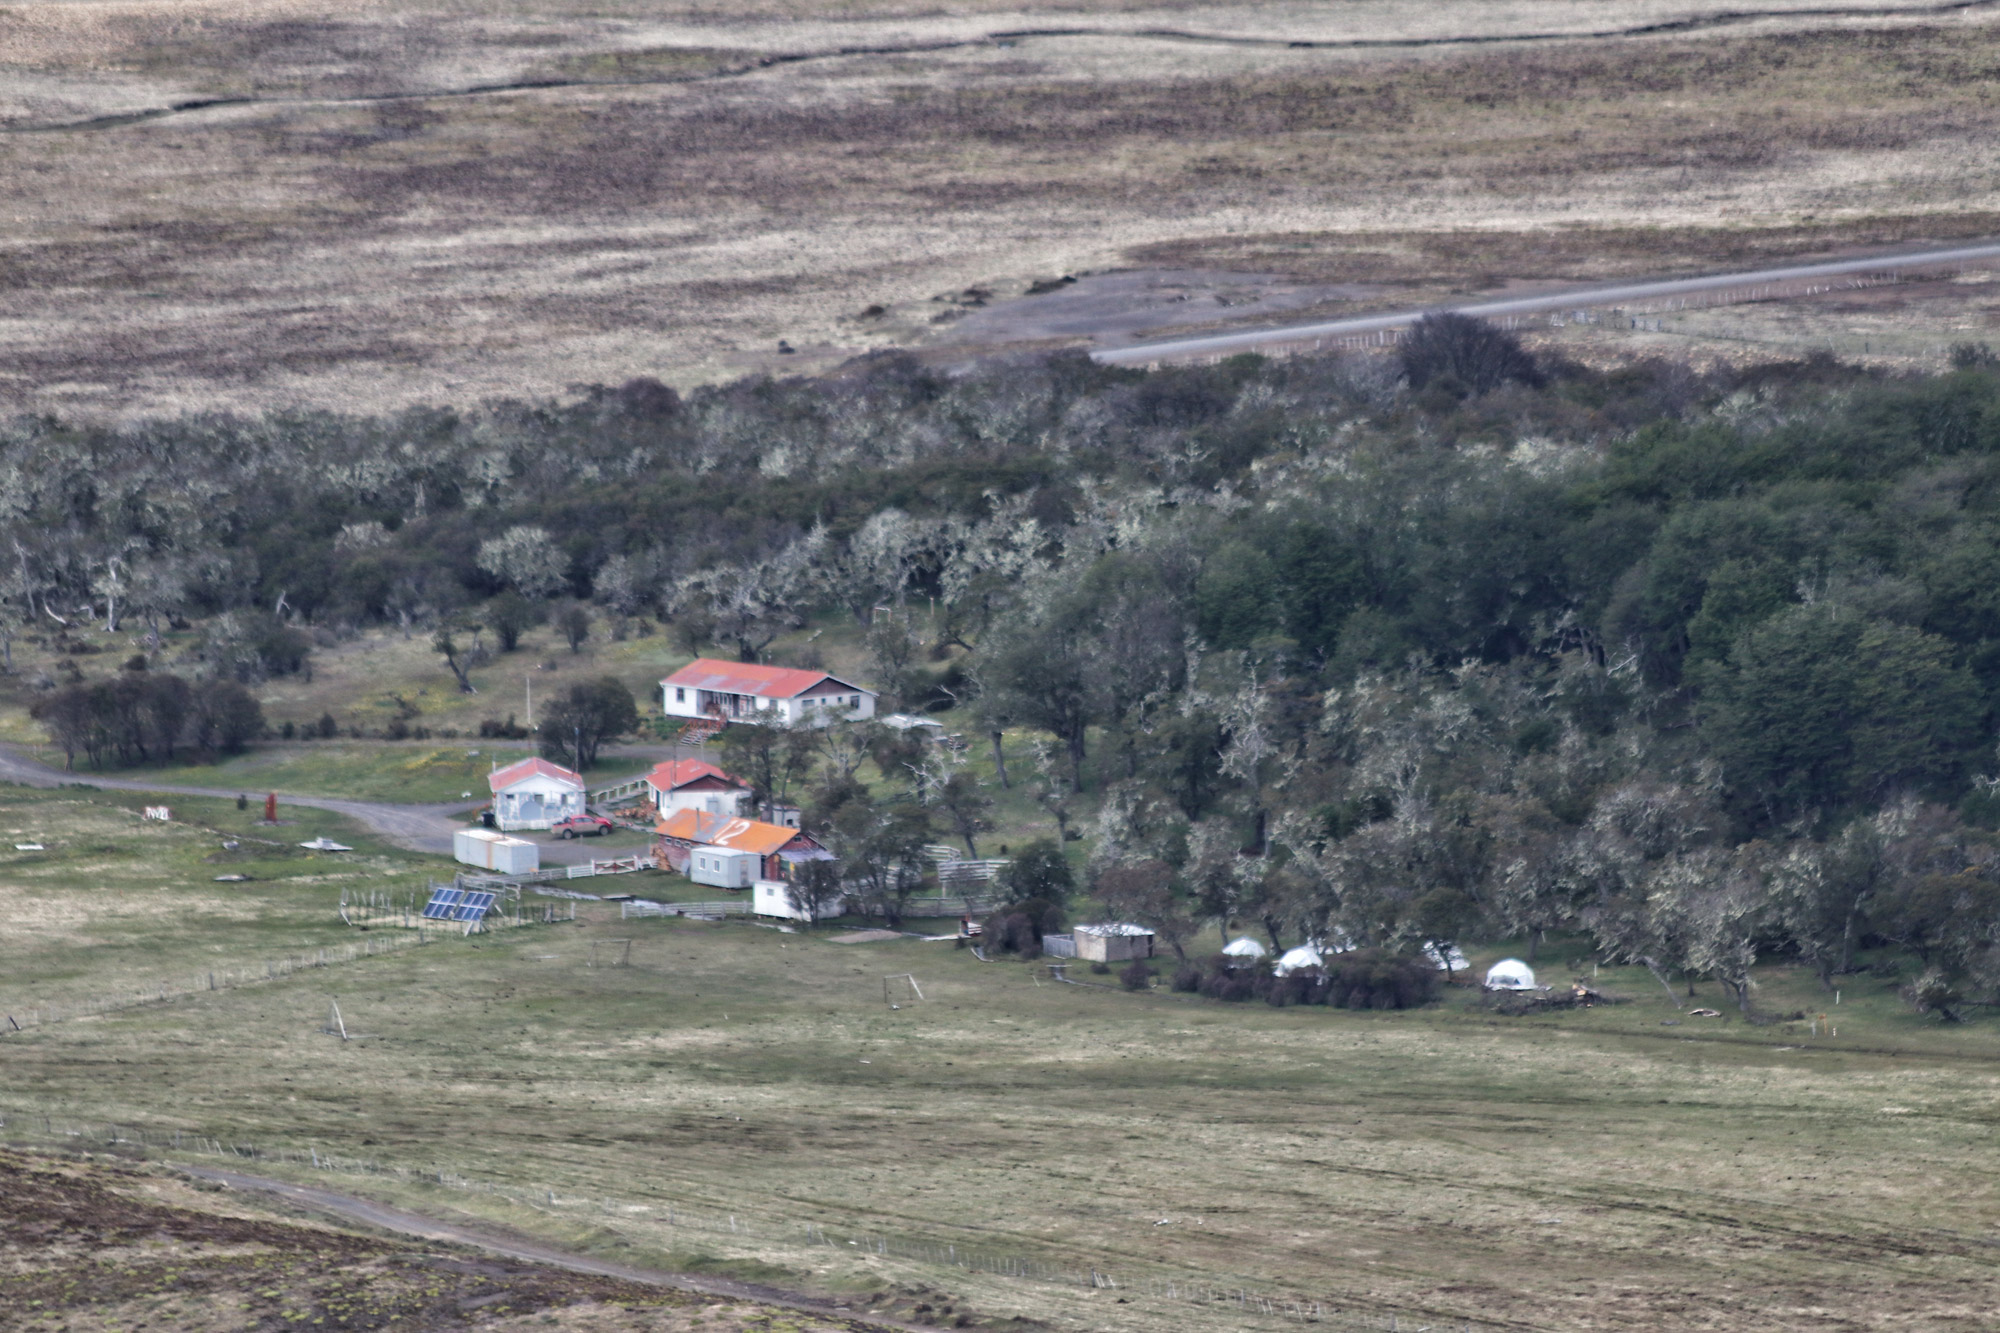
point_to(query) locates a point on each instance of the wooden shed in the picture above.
(1113, 942)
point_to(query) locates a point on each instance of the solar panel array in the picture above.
(449, 904)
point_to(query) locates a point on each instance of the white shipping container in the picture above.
(495, 851)
(723, 868)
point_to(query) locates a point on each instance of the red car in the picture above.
(581, 826)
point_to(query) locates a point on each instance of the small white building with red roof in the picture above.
(744, 692)
(693, 784)
(534, 794)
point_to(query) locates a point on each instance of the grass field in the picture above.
(1625, 1167)
(107, 1244)
(680, 192)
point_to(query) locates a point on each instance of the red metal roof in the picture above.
(767, 682)
(679, 772)
(741, 835)
(502, 778)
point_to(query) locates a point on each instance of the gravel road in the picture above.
(1618, 294)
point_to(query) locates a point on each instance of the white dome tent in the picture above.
(1510, 974)
(1242, 951)
(1305, 957)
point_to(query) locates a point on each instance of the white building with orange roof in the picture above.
(534, 794)
(731, 853)
(744, 692)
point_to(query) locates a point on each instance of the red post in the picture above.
(271, 808)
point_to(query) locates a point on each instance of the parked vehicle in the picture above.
(582, 826)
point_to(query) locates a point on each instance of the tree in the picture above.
(528, 560)
(1039, 873)
(1144, 891)
(881, 850)
(510, 615)
(770, 757)
(460, 668)
(753, 602)
(1822, 892)
(892, 652)
(1818, 709)
(1470, 353)
(68, 717)
(1235, 599)
(223, 717)
(815, 889)
(965, 805)
(580, 720)
(574, 622)
(1048, 677)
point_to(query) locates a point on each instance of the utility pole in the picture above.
(528, 689)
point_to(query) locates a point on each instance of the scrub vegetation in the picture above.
(1444, 645)
(674, 191)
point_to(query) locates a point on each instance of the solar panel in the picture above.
(459, 904)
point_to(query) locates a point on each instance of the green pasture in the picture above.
(116, 903)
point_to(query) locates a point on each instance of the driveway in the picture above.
(421, 828)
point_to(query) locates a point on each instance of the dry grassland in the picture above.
(356, 236)
(1593, 1170)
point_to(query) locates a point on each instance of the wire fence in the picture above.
(26, 1128)
(43, 1013)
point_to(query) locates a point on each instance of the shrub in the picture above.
(1378, 979)
(1187, 979)
(1137, 976)
(1468, 353)
(1013, 932)
(1101, 969)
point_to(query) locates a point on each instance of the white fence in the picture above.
(952, 873)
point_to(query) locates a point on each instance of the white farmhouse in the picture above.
(534, 794)
(694, 784)
(707, 688)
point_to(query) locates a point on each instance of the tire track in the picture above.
(383, 1217)
(1669, 27)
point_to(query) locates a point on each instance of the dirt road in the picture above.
(421, 828)
(369, 1213)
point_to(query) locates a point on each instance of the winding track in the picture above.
(368, 1213)
(1616, 294)
(1006, 36)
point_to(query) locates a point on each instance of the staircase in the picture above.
(699, 731)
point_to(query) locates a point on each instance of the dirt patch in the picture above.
(96, 1246)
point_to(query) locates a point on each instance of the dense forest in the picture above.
(1443, 643)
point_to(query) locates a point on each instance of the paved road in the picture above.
(370, 1213)
(422, 828)
(1617, 294)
